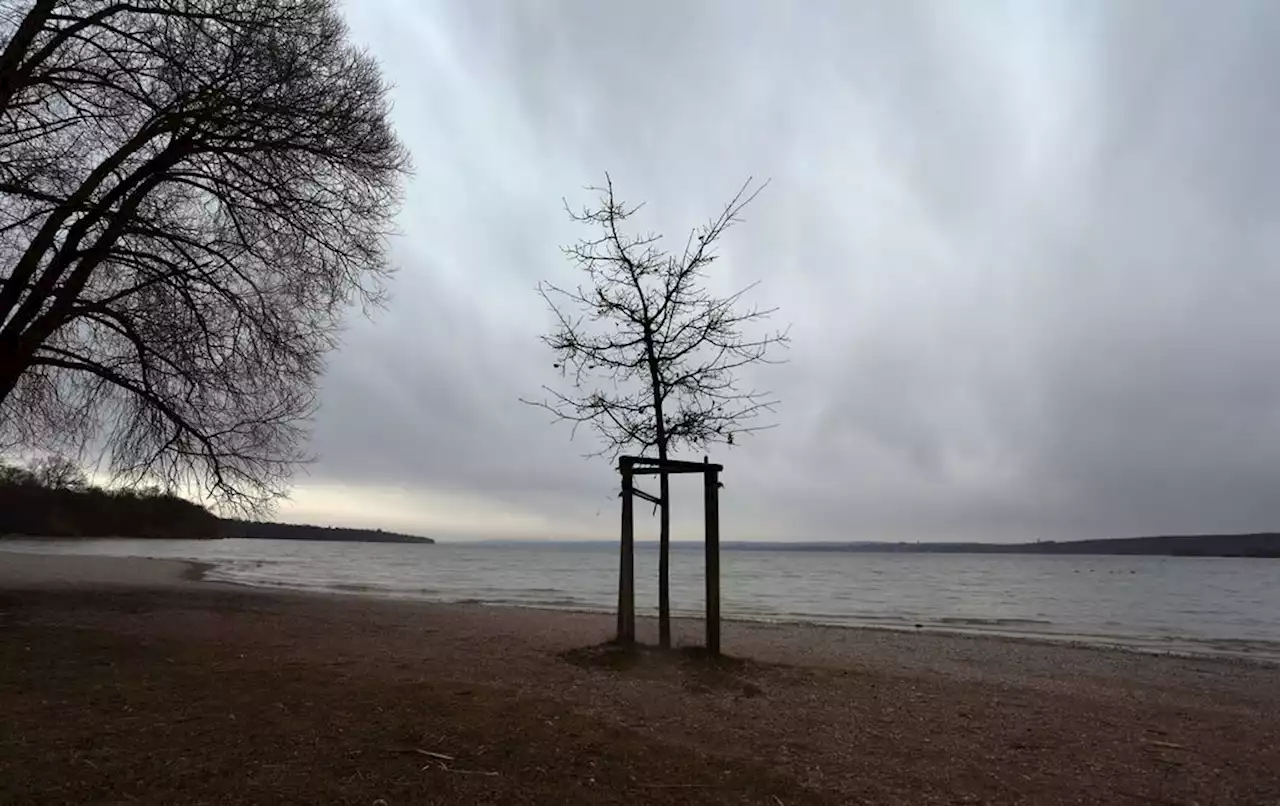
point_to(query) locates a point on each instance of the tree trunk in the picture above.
(17, 49)
(664, 554)
(11, 368)
(664, 495)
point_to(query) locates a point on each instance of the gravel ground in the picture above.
(182, 692)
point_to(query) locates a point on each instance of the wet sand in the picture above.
(25, 571)
(126, 680)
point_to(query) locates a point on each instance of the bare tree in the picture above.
(192, 194)
(59, 473)
(650, 353)
(15, 476)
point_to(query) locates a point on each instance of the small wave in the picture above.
(354, 587)
(567, 602)
(993, 622)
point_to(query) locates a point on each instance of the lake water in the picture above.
(1195, 605)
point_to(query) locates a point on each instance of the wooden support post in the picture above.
(711, 495)
(627, 565)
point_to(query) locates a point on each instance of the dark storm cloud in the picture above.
(1028, 251)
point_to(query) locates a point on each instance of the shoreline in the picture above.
(1101, 643)
(76, 570)
(187, 691)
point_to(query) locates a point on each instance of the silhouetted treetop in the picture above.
(651, 354)
(192, 194)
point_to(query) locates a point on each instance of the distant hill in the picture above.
(1263, 544)
(294, 531)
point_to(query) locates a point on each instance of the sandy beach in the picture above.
(127, 681)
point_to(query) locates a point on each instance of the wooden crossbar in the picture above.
(654, 470)
(652, 499)
(646, 464)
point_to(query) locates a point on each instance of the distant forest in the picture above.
(1258, 545)
(1262, 544)
(293, 531)
(52, 497)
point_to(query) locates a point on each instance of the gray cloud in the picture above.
(1028, 251)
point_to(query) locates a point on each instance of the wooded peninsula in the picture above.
(53, 498)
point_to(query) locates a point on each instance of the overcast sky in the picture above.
(1029, 251)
